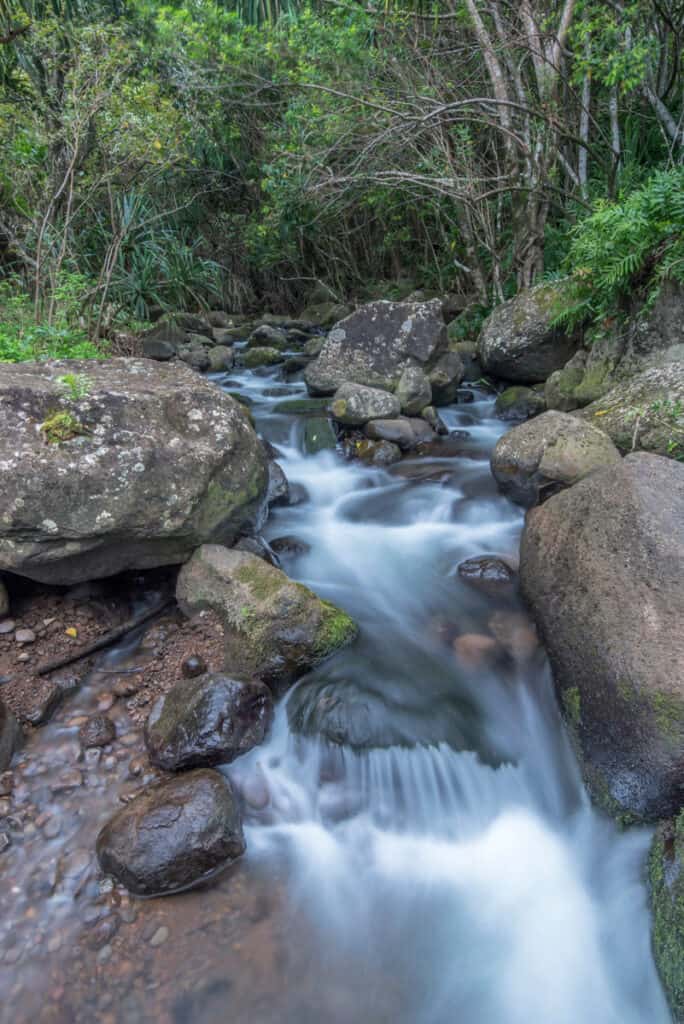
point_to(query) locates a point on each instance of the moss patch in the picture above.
(572, 705)
(336, 630)
(666, 880)
(263, 582)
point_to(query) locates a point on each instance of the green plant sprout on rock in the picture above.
(74, 386)
(61, 426)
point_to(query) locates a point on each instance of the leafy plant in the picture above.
(75, 386)
(625, 247)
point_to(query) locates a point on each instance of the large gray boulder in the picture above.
(414, 392)
(550, 452)
(602, 567)
(209, 720)
(275, 629)
(156, 461)
(518, 341)
(375, 344)
(353, 405)
(645, 412)
(174, 835)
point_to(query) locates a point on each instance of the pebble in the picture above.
(69, 779)
(104, 954)
(5, 842)
(160, 936)
(6, 783)
(23, 658)
(5, 806)
(105, 701)
(193, 666)
(25, 636)
(52, 829)
(54, 943)
(7, 626)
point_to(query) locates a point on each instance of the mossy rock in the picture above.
(275, 629)
(666, 883)
(519, 403)
(318, 435)
(265, 356)
(302, 406)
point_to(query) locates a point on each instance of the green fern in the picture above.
(625, 248)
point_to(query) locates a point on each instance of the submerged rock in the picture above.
(545, 454)
(518, 341)
(374, 345)
(602, 567)
(160, 461)
(377, 453)
(275, 629)
(208, 720)
(97, 731)
(354, 404)
(489, 574)
(174, 835)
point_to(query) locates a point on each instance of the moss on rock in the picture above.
(666, 883)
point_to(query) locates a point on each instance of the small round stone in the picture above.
(193, 666)
(97, 731)
(160, 936)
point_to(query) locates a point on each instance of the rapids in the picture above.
(420, 848)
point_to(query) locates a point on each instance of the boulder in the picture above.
(377, 453)
(220, 358)
(374, 345)
(444, 378)
(406, 432)
(10, 736)
(602, 567)
(325, 314)
(161, 461)
(432, 417)
(195, 357)
(666, 884)
(219, 319)
(414, 392)
(206, 721)
(163, 341)
(174, 835)
(353, 405)
(545, 454)
(266, 336)
(518, 341)
(650, 339)
(644, 413)
(468, 354)
(275, 629)
(194, 324)
(489, 574)
(518, 404)
(266, 356)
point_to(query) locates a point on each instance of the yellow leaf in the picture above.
(602, 412)
(71, 631)
(157, 144)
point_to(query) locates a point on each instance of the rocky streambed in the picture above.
(354, 761)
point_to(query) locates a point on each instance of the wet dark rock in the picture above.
(518, 404)
(354, 404)
(290, 546)
(10, 736)
(166, 461)
(259, 547)
(445, 377)
(518, 341)
(489, 574)
(602, 567)
(97, 731)
(196, 358)
(4, 600)
(43, 704)
(206, 721)
(375, 344)
(193, 666)
(552, 451)
(464, 397)
(174, 835)
(298, 494)
(275, 629)
(278, 489)
(163, 341)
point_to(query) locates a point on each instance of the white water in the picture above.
(457, 875)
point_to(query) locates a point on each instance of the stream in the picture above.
(420, 848)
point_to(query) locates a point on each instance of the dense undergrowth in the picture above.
(192, 154)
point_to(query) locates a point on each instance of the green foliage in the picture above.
(74, 386)
(21, 338)
(626, 249)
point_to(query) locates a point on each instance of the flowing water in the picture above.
(420, 847)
